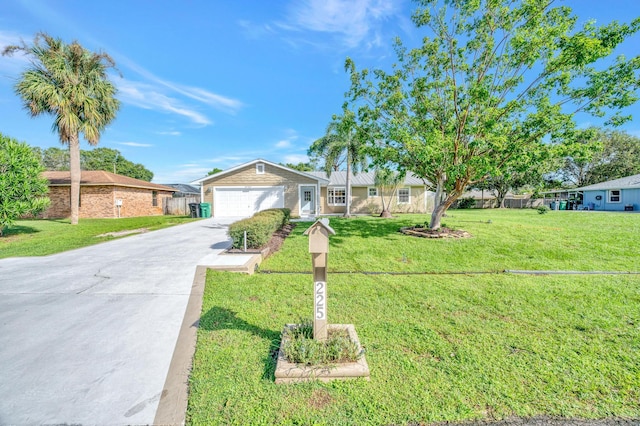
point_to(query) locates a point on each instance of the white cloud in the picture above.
(180, 174)
(354, 22)
(170, 133)
(255, 31)
(219, 102)
(296, 158)
(18, 61)
(147, 96)
(283, 144)
(135, 144)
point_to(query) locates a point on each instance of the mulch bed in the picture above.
(416, 231)
(278, 237)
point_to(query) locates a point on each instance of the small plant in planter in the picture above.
(301, 348)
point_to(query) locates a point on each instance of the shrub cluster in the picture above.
(543, 209)
(466, 203)
(259, 228)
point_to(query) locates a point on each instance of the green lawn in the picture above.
(502, 239)
(43, 237)
(440, 347)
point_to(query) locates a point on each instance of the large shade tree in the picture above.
(492, 80)
(341, 144)
(70, 83)
(108, 159)
(598, 155)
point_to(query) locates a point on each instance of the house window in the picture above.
(154, 198)
(337, 196)
(260, 169)
(404, 196)
(615, 196)
(306, 195)
(372, 191)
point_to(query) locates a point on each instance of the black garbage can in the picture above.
(194, 209)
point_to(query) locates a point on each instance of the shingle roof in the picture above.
(184, 188)
(100, 177)
(362, 179)
(622, 183)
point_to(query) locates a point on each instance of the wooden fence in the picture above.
(511, 203)
(178, 206)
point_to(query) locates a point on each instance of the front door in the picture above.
(307, 200)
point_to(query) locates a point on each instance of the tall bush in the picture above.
(259, 228)
(22, 189)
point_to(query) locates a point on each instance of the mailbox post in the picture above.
(319, 247)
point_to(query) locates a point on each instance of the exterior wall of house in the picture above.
(99, 202)
(138, 202)
(421, 201)
(272, 176)
(628, 197)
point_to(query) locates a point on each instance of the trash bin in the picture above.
(553, 205)
(194, 209)
(205, 209)
(563, 205)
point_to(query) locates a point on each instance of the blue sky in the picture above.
(215, 83)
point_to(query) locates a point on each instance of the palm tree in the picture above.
(341, 144)
(71, 84)
(388, 181)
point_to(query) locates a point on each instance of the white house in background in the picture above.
(260, 184)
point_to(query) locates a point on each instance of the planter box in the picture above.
(288, 372)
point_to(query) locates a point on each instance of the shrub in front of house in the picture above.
(259, 228)
(466, 203)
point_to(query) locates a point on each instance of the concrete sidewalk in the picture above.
(87, 336)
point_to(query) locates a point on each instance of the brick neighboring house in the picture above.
(105, 195)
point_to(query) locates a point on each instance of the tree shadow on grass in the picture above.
(218, 318)
(366, 228)
(19, 230)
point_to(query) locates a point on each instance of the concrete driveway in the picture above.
(87, 336)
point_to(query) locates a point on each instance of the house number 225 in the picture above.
(321, 300)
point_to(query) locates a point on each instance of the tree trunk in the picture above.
(385, 213)
(347, 212)
(443, 202)
(436, 217)
(74, 168)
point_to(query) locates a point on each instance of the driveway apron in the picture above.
(87, 336)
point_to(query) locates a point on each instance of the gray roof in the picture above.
(184, 188)
(339, 178)
(622, 183)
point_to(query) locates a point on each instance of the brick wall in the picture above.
(99, 202)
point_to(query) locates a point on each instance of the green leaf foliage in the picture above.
(22, 190)
(490, 83)
(259, 228)
(110, 160)
(598, 155)
(71, 84)
(342, 144)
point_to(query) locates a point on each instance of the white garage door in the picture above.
(244, 202)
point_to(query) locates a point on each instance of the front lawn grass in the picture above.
(441, 347)
(40, 237)
(501, 239)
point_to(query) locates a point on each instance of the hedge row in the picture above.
(259, 228)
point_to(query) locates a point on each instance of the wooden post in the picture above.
(319, 248)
